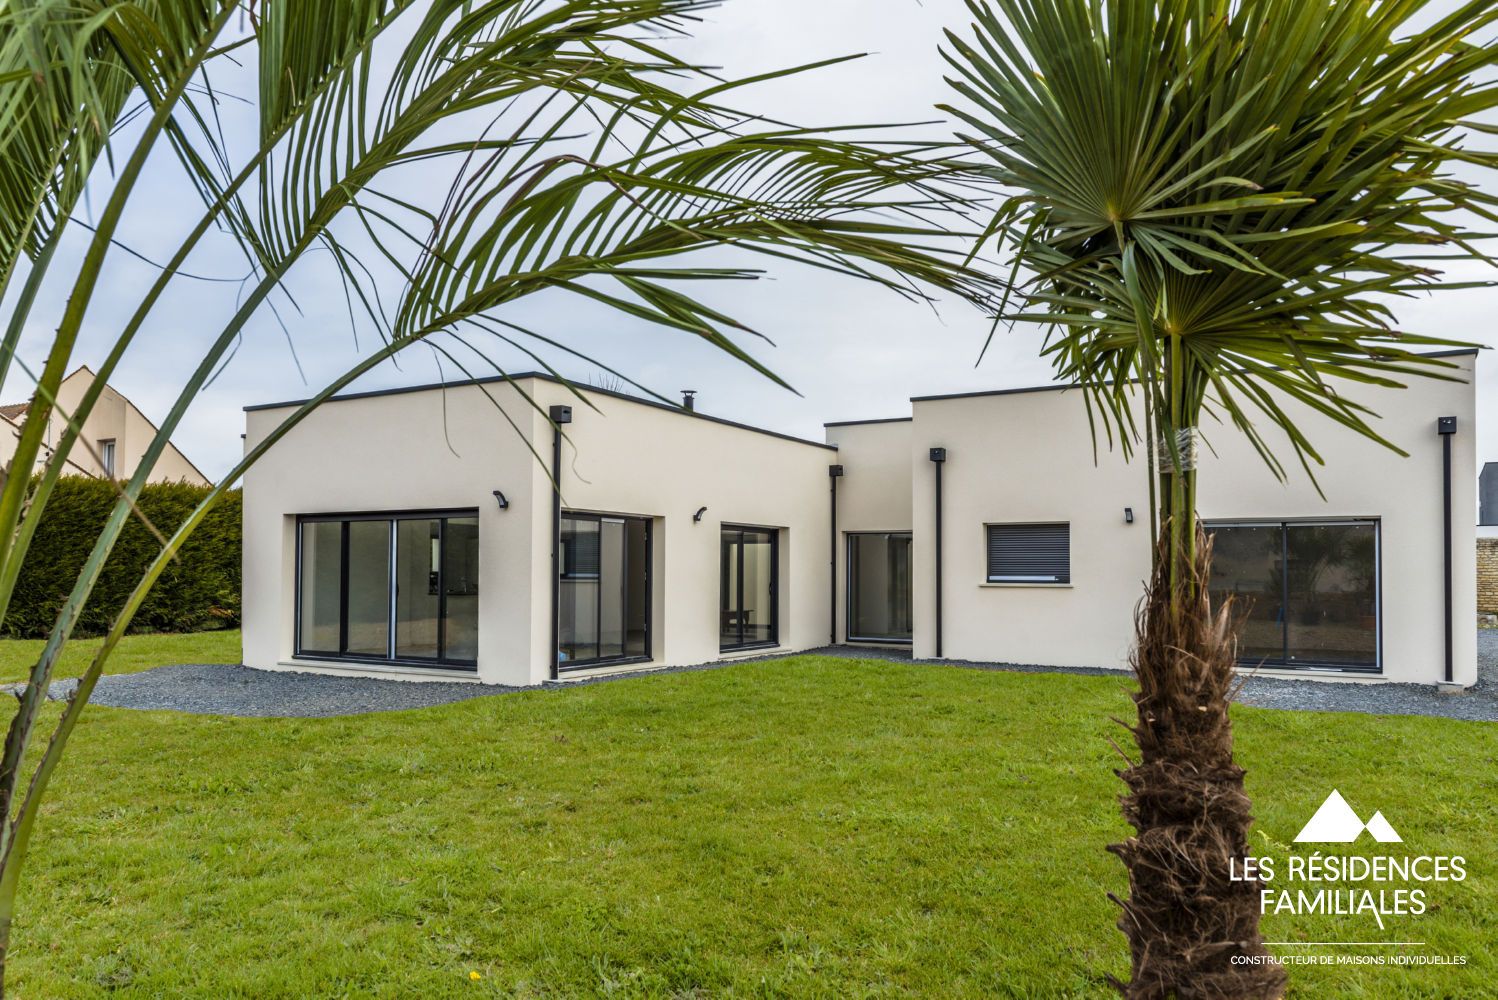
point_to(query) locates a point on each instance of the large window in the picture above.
(1029, 553)
(603, 614)
(879, 586)
(747, 613)
(399, 588)
(1307, 592)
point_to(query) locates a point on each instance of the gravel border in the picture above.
(244, 691)
(225, 689)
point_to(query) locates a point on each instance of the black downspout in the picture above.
(835, 472)
(1446, 427)
(939, 456)
(559, 415)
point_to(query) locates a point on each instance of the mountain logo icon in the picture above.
(1336, 823)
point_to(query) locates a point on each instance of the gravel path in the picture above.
(233, 690)
(243, 691)
(1479, 703)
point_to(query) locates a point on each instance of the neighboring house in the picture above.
(115, 435)
(411, 532)
(1487, 500)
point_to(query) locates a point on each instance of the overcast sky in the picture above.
(852, 351)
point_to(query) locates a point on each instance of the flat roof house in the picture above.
(412, 532)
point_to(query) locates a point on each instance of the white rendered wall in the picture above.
(1027, 456)
(391, 452)
(875, 491)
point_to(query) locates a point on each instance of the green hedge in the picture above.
(199, 591)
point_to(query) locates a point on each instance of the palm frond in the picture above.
(1276, 171)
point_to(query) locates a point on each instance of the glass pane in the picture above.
(637, 588)
(758, 604)
(879, 587)
(1247, 565)
(320, 585)
(577, 608)
(369, 588)
(728, 589)
(1332, 603)
(611, 590)
(460, 584)
(417, 561)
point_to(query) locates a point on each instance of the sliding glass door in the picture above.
(879, 587)
(603, 615)
(748, 615)
(398, 588)
(1310, 590)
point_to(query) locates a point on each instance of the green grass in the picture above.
(809, 827)
(134, 653)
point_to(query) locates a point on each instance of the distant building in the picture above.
(115, 436)
(1487, 494)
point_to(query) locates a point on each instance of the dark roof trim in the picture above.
(990, 392)
(544, 377)
(1457, 353)
(859, 423)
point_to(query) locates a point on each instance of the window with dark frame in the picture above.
(749, 562)
(1029, 553)
(603, 610)
(879, 586)
(389, 588)
(1305, 593)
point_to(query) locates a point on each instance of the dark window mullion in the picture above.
(442, 589)
(394, 581)
(343, 543)
(1284, 593)
(739, 562)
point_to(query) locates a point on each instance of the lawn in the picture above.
(808, 827)
(135, 652)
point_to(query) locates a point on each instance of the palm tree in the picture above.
(573, 154)
(1209, 204)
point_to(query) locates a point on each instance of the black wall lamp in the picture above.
(698, 516)
(504, 504)
(1128, 515)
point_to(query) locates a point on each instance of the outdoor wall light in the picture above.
(698, 516)
(1128, 515)
(504, 504)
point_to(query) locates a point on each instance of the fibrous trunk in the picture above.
(1193, 930)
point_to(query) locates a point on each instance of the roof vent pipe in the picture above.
(689, 400)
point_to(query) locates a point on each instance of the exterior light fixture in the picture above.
(504, 504)
(698, 516)
(1128, 515)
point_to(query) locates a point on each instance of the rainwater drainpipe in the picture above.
(835, 472)
(1446, 427)
(559, 415)
(939, 457)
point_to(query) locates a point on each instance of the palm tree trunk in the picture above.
(1188, 921)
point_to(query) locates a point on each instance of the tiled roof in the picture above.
(11, 411)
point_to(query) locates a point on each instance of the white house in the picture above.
(417, 532)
